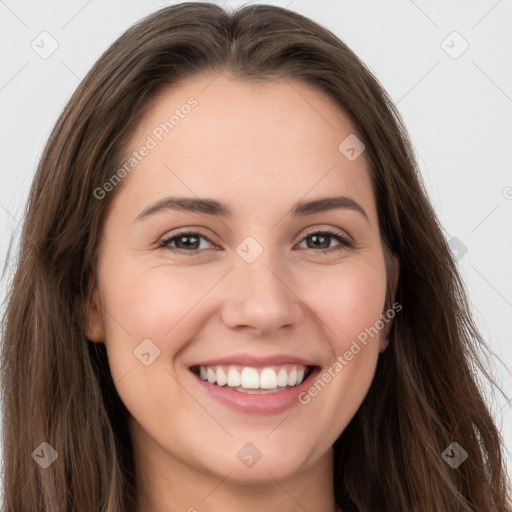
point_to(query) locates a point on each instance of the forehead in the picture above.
(250, 140)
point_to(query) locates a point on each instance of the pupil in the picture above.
(316, 237)
(187, 237)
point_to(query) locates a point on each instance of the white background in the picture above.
(458, 112)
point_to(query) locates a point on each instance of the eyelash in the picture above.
(345, 243)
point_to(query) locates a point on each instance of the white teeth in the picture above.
(282, 377)
(211, 376)
(250, 378)
(292, 377)
(270, 379)
(222, 378)
(233, 378)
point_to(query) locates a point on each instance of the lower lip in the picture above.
(272, 403)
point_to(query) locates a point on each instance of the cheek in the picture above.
(151, 302)
(350, 305)
(348, 301)
(149, 311)
(348, 298)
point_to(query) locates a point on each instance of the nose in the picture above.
(261, 296)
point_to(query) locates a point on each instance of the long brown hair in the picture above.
(56, 384)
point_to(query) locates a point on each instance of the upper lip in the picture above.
(256, 361)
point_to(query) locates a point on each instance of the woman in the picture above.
(258, 370)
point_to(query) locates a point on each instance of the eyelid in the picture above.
(333, 231)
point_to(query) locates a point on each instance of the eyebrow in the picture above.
(213, 207)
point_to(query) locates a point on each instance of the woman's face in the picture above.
(253, 297)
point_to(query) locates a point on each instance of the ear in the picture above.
(384, 342)
(94, 319)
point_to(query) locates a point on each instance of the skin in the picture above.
(259, 148)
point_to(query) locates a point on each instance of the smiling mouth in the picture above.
(251, 380)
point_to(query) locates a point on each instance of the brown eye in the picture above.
(189, 242)
(322, 239)
(186, 242)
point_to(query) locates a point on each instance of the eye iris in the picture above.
(319, 236)
(187, 244)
